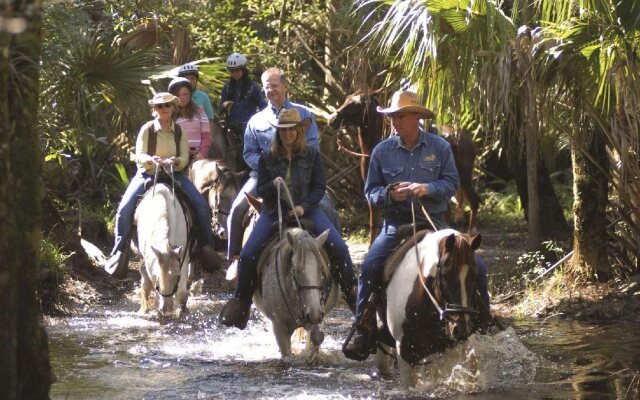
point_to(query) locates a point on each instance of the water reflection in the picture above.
(114, 353)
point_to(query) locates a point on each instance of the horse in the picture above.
(163, 243)
(228, 143)
(220, 186)
(431, 299)
(359, 110)
(296, 288)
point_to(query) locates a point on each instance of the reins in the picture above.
(186, 220)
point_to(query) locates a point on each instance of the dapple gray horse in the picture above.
(297, 289)
(162, 242)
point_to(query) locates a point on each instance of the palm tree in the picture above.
(465, 56)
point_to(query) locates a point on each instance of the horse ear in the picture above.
(218, 170)
(254, 202)
(157, 252)
(291, 239)
(450, 244)
(476, 241)
(178, 251)
(322, 238)
(239, 176)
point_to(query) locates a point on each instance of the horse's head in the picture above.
(456, 284)
(308, 268)
(164, 270)
(221, 195)
(353, 111)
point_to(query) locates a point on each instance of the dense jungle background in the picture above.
(548, 88)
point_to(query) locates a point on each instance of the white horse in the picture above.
(297, 289)
(162, 242)
(431, 298)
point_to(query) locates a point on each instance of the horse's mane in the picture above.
(303, 241)
(154, 207)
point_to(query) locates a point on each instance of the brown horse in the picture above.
(359, 110)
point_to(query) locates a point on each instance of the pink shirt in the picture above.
(198, 131)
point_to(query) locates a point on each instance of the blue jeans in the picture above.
(266, 227)
(135, 190)
(371, 272)
(240, 208)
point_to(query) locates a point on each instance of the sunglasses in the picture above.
(164, 105)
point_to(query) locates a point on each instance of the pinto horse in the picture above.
(359, 110)
(297, 288)
(431, 298)
(163, 243)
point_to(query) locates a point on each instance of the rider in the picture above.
(241, 94)
(166, 151)
(411, 165)
(192, 119)
(292, 163)
(190, 71)
(257, 138)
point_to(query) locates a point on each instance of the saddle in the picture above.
(406, 241)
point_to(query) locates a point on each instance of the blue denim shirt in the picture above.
(246, 106)
(430, 161)
(307, 180)
(259, 133)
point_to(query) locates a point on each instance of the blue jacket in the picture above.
(259, 133)
(307, 180)
(430, 161)
(246, 106)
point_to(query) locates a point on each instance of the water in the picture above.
(111, 352)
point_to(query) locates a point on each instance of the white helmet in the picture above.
(188, 69)
(178, 82)
(236, 61)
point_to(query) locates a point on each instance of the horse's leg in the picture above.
(408, 374)
(283, 338)
(145, 289)
(183, 292)
(383, 359)
(315, 337)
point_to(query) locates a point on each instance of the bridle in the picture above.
(300, 319)
(446, 309)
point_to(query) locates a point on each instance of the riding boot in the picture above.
(361, 343)
(117, 264)
(235, 313)
(211, 261)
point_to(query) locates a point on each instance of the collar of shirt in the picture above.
(158, 128)
(422, 139)
(285, 106)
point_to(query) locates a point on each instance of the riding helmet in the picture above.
(236, 61)
(188, 69)
(176, 83)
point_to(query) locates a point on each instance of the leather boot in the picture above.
(211, 261)
(117, 265)
(235, 313)
(358, 347)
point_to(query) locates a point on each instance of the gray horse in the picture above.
(297, 289)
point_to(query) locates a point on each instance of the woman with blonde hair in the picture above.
(291, 162)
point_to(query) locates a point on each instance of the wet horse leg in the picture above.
(283, 338)
(145, 289)
(315, 337)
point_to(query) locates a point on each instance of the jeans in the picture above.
(266, 227)
(135, 190)
(372, 268)
(240, 208)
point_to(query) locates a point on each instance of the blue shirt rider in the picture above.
(411, 164)
(258, 138)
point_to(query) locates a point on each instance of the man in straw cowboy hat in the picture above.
(258, 136)
(292, 162)
(412, 164)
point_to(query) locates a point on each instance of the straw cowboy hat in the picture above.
(405, 101)
(163, 98)
(290, 118)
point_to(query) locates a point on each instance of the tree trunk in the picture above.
(590, 189)
(24, 367)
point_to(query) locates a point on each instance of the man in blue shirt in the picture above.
(411, 164)
(257, 138)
